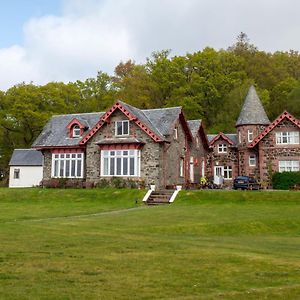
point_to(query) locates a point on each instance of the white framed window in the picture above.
(76, 131)
(240, 137)
(288, 166)
(16, 173)
(120, 163)
(227, 172)
(252, 160)
(222, 148)
(122, 128)
(291, 137)
(181, 167)
(250, 136)
(175, 133)
(67, 165)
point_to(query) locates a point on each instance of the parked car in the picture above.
(245, 183)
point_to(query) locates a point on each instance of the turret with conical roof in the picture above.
(252, 112)
(252, 119)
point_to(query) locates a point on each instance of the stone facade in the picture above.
(151, 152)
(270, 153)
(267, 152)
(227, 159)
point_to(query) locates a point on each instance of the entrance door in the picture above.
(219, 175)
(192, 169)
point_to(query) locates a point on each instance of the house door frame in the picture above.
(218, 174)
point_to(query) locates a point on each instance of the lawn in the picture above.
(101, 244)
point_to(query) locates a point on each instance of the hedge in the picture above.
(285, 180)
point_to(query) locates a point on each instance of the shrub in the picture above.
(50, 183)
(118, 182)
(285, 180)
(88, 185)
(73, 184)
(102, 184)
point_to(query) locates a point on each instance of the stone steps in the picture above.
(160, 197)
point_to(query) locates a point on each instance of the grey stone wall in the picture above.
(47, 164)
(199, 153)
(171, 158)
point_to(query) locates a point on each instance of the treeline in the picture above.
(209, 84)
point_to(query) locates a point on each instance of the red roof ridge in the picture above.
(223, 135)
(131, 117)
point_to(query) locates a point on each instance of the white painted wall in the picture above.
(29, 176)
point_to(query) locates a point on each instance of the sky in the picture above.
(69, 40)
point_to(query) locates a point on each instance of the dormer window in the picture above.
(122, 128)
(76, 131)
(222, 148)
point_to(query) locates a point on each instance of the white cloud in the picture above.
(92, 35)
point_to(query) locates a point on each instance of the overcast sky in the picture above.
(66, 40)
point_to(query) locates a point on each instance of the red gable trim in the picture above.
(224, 137)
(67, 150)
(72, 124)
(129, 115)
(121, 147)
(59, 148)
(284, 115)
(203, 136)
(75, 122)
(185, 126)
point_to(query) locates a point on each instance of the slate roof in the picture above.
(194, 126)
(55, 132)
(231, 136)
(163, 118)
(26, 157)
(252, 112)
(160, 121)
(210, 137)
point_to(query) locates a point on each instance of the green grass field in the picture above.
(101, 244)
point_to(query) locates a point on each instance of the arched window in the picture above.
(76, 131)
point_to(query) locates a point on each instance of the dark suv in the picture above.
(245, 183)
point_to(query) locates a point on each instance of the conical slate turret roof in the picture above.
(252, 112)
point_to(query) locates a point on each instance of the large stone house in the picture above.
(160, 147)
(153, 146)
(258, 148)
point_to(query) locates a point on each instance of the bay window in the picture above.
(67, 165)
(120, 163)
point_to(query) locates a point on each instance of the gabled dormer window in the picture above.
(122, 128)
(76, 131)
